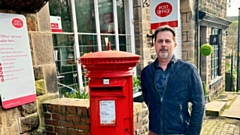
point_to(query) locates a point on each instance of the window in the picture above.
(215, 57)
(88, 26)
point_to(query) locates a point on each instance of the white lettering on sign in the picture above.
(164, 12)
(163, 9)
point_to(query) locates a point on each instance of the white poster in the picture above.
(107, 112)
(56, 23)
(17, 85)
(164, 12)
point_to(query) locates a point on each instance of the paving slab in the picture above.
(215, 108)
(234, 110)
(220, 126)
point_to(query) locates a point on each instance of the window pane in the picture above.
(106, 16)
(216, 63)
(87, 43)
(62, 8)
(108, 38)
(124, 43)
(65, 62)
(121, 17)
(85, 15)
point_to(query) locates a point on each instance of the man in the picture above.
(168, 85)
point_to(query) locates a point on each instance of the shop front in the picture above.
(81, 27)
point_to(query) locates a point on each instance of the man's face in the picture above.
(164, 44)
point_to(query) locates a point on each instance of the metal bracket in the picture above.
(150, 36)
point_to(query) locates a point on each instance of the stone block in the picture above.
(42, 47)
(38, 72)
(9, 124)
(32, 22)
(187, 46)
(145, 113)
(137, 13)
(27, 109)
(185, 36)
(40, 87)
(186, 5)
(187, 26)
(50, 75)
(137, 3)
(144, 106)
(137, 108)
(183, 17)
(29, 122)
(215, 108)
(44, 19)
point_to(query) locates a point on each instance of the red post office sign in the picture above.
(164, 13)
(56, 23)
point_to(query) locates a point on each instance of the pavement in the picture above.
(234, 110)
(213, 125)
(228, 123)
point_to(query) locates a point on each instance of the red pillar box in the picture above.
(111, 91)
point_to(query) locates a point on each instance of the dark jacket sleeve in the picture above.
(144, 90)
(198, 103)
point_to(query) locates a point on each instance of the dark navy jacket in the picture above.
(168, 114)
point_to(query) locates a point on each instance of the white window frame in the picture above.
(128, 4)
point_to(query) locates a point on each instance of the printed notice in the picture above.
(17, 85)
(107, 112)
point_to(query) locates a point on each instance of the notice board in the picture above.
(17, 85)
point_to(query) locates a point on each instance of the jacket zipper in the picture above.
(165, 86)
(155, 85)
(161, 97)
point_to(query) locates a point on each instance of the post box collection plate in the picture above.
(107, 112)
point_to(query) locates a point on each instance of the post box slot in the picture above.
(105, 89)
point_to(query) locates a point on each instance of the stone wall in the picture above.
(27, 119)
(214, 86)
(217, 8)
(143, 44)
(72, 117)
(140, 114)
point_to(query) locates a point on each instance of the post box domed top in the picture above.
(109, 60)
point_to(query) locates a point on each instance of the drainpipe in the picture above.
(196, 37)
(238, 50)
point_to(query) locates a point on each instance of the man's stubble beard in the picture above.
(164, 55)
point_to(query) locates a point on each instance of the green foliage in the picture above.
(77, 94)
(228, 70)
(228, 67)
(204, 88)
(136, 84)
(206, 49)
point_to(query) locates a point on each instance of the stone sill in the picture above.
(216, 81)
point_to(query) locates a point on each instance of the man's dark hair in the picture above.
(164, 28)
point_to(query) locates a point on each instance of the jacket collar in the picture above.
(173, 61)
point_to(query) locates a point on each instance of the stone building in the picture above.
(199, 20)
(84, 30)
